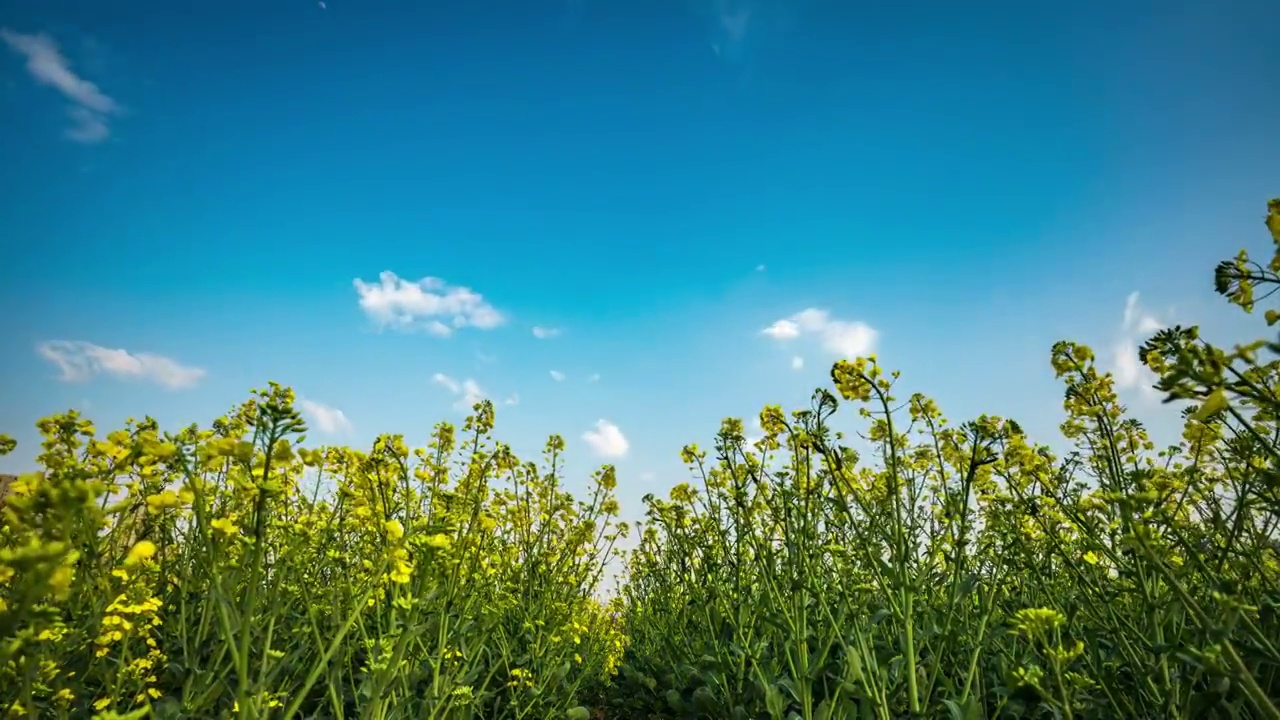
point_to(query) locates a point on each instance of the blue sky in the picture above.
(192, 190)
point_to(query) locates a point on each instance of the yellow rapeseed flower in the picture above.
(520, 678)
(225, 526)
(143, 550)
(60, 581)
(163, 500)
(402, 569)
(394, 529)
(1037, 621)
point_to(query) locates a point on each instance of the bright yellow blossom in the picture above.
(142, 550)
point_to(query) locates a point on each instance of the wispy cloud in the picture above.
(327, 419)
(593, 377)
(79, 361)
(740, 27)
(797, 362)
(545, 333)
(557, 375)
(428, 304)
(467, 391)
(90, 107)
(732, 22)
(1135, 327)
(606, 440)
(848, 338)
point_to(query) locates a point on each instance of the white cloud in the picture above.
(430, 304)
(731, 22)
(1138, 320)
(468, 391)
(606, 440)
(80, 361)
(593, 377)
(797, 362)
(557, 375)
(89, 127)
(755, 435)
(47, 66)
(849, 338)
(449, 383)
(328, 420)
(783, 330)
(514, 399)
(544, 333)
(1135, 327)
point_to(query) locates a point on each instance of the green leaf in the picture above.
(962, 711)
(674, 701)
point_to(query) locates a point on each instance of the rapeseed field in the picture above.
(964, 571)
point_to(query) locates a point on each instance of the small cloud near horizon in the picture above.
(467, 391)
(1136, 325)
(80, 361)
(328, 420)
(606, 440)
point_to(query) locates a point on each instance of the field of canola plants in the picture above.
(965, 573)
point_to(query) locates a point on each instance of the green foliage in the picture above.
(966, 573)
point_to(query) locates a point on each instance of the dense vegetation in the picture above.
(967, 573)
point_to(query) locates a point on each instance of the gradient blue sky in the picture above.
(661, 180)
